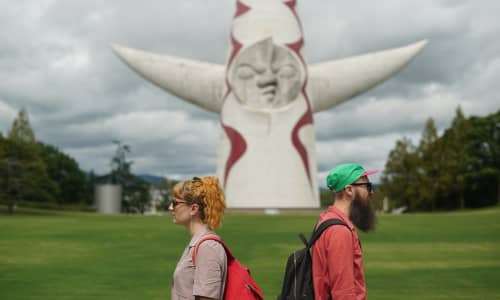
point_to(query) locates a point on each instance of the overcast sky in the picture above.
(56, 62)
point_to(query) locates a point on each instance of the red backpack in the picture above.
(239, 283)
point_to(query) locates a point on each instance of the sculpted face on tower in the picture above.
(266, 76)
(265, 108)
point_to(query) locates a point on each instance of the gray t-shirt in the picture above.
(208, 278)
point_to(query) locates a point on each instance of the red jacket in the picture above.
(338, 261)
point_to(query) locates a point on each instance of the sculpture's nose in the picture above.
(267, 79)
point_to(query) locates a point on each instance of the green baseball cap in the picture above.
(345, 174)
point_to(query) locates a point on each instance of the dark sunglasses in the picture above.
(174, 202)
(369, 185)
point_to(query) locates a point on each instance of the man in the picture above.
(336, 256)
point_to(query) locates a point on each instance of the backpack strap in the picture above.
(322, 227)
(211, 237)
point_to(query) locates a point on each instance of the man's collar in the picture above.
(335, 210)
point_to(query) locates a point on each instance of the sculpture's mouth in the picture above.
(268, 93)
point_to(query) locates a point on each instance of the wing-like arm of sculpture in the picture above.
(197, 82)
(334, 82)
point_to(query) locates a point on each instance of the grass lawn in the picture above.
(58, 255)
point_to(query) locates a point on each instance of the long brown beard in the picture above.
(362, 215)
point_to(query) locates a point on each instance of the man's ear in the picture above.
(349, 191)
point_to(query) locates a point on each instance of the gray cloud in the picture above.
(55, 61)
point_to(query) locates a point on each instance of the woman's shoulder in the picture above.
(211, 247)
(211, 243)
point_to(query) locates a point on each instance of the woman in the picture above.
(198, 205)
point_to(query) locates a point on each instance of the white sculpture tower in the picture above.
(266, 95)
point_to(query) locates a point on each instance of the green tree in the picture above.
(166, 185)
(24, 175)
(399, 177)
(485, 160)
(325, 197)
(429, 157)
(457, 148)
(65, 172)
(91, 181)
(457, 170)
(120, 167)
(21, 131)
(3, 143)
(2, 147)
(135, 190)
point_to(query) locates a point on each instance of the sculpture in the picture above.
(266, 96)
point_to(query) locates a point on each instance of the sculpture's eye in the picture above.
(245, 72)
(287, 71)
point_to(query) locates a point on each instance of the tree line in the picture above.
(456, 170)
(36, 174)
(459, 169)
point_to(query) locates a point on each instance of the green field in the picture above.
(52, 255)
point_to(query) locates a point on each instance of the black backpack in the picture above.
(298, 282)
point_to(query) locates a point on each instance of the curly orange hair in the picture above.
(207, 193)
(176, 191)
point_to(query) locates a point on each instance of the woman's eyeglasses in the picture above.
(174, 202)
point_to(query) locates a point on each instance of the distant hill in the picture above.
(153, 179)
